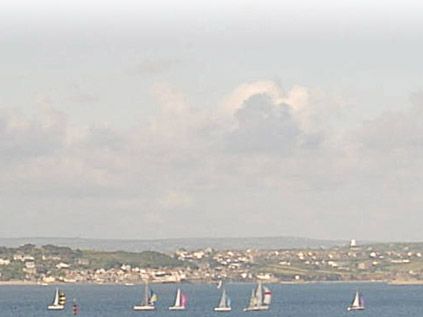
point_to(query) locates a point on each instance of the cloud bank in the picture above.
(264, 161)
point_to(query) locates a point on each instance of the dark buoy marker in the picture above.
(75, 308)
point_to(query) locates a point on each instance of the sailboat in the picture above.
(224, 304)
(181, 301)
(59, 301)
(150, 298)
(357, 303)
(260, 298)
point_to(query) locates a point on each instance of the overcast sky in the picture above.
(161, 119)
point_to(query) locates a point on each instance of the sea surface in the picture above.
(313, 300)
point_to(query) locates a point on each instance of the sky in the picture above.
(170, 119)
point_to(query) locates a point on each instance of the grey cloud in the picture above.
(267, 127)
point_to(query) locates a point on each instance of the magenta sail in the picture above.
(184, 300)
(361, 301)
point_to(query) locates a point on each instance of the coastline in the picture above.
(18, 283)
(405, 283)
(394, 283)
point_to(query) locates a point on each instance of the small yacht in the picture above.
(59, 301)
(260, 299)
(181, 301)
(357, 303)
(149, 301)
(224, 304)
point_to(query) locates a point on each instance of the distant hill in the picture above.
(49, 259)
(171, 245)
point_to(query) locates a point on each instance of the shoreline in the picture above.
(405, 283)
(393, 283)
(18, 283)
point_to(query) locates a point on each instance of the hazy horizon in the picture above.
(179, 119)
(168, 238)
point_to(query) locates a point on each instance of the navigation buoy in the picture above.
(75, 309)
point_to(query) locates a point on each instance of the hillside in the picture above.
(171, 245)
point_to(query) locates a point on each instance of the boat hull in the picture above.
(258, 308)
(177, 308)
(351, 308)
(222, 309)
(144, 308)
(56, 307)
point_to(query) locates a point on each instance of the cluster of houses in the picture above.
(208, 265)
(385, 262)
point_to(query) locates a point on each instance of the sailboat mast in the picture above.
(146, 294)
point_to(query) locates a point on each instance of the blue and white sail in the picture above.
(224, 303)
(149, 301)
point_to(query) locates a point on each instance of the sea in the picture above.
(298, 300)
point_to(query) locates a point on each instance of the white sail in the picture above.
(178, 298)
(356, 301)
(259, 294)
(267, 299)
(222, 302)
(56, 298)
(253, 299)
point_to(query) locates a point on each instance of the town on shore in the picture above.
(396, 263)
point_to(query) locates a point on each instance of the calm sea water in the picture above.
(289, 300)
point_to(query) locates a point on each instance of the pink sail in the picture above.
(184, 300)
